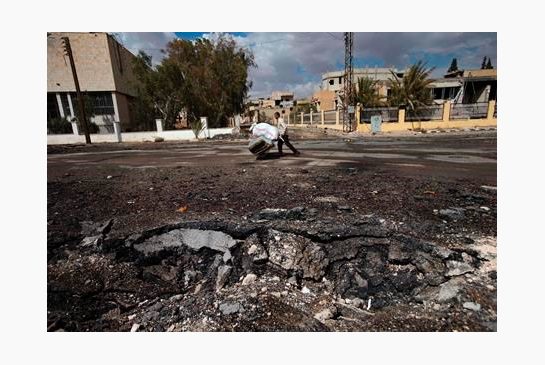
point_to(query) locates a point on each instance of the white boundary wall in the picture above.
(179, 135)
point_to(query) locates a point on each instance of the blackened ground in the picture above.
(429, 188)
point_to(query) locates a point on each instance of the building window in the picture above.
(340, 80)
(52, 106)
(331, 82)
(101, 102)
(453, 91)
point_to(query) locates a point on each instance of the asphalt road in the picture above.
(469, 155)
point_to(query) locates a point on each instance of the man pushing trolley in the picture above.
(264, 135)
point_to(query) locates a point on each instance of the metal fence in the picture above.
(434, 112)
(306, 118)
(330, 117)
(294, 118)
(388, 114)
(468, 111)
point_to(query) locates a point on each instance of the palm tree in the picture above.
(366, 93)
(412, 91)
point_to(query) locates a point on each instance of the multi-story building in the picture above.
(104, 70)
(332, 85)
(466, 86)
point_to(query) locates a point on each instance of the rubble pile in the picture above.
(270, 274)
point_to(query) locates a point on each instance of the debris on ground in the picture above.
(377, 252)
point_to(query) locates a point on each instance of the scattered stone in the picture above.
(109, 177)
(135, 327)
(192, 238)
(313, 262)
(131, 317)
(305, 290)
(231, 308)
(223, 276)
(449, 290)
(486, 209)
(285, 254)
(327, 199)
(456, 268)
(472, 306)
(255, 250)
(358, 303)
(249, 279)
(91, 241)
(452, 213)
(345, 208)
(489, 188)
(176, 297)
(326, 314)
(272, 214)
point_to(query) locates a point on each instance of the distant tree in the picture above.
(489, 65)
(202, 78)
(453, 65)
(160, 88)
(412, 91)
(366, 93)
(215, 76)
(483, 64)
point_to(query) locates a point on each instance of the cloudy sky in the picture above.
(295, 61)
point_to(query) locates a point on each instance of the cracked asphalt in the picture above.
(438, 188)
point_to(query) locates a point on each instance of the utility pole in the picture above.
(81, 104)
(348, 75)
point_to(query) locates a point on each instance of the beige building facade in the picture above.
(105, 74)
(332, 85)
